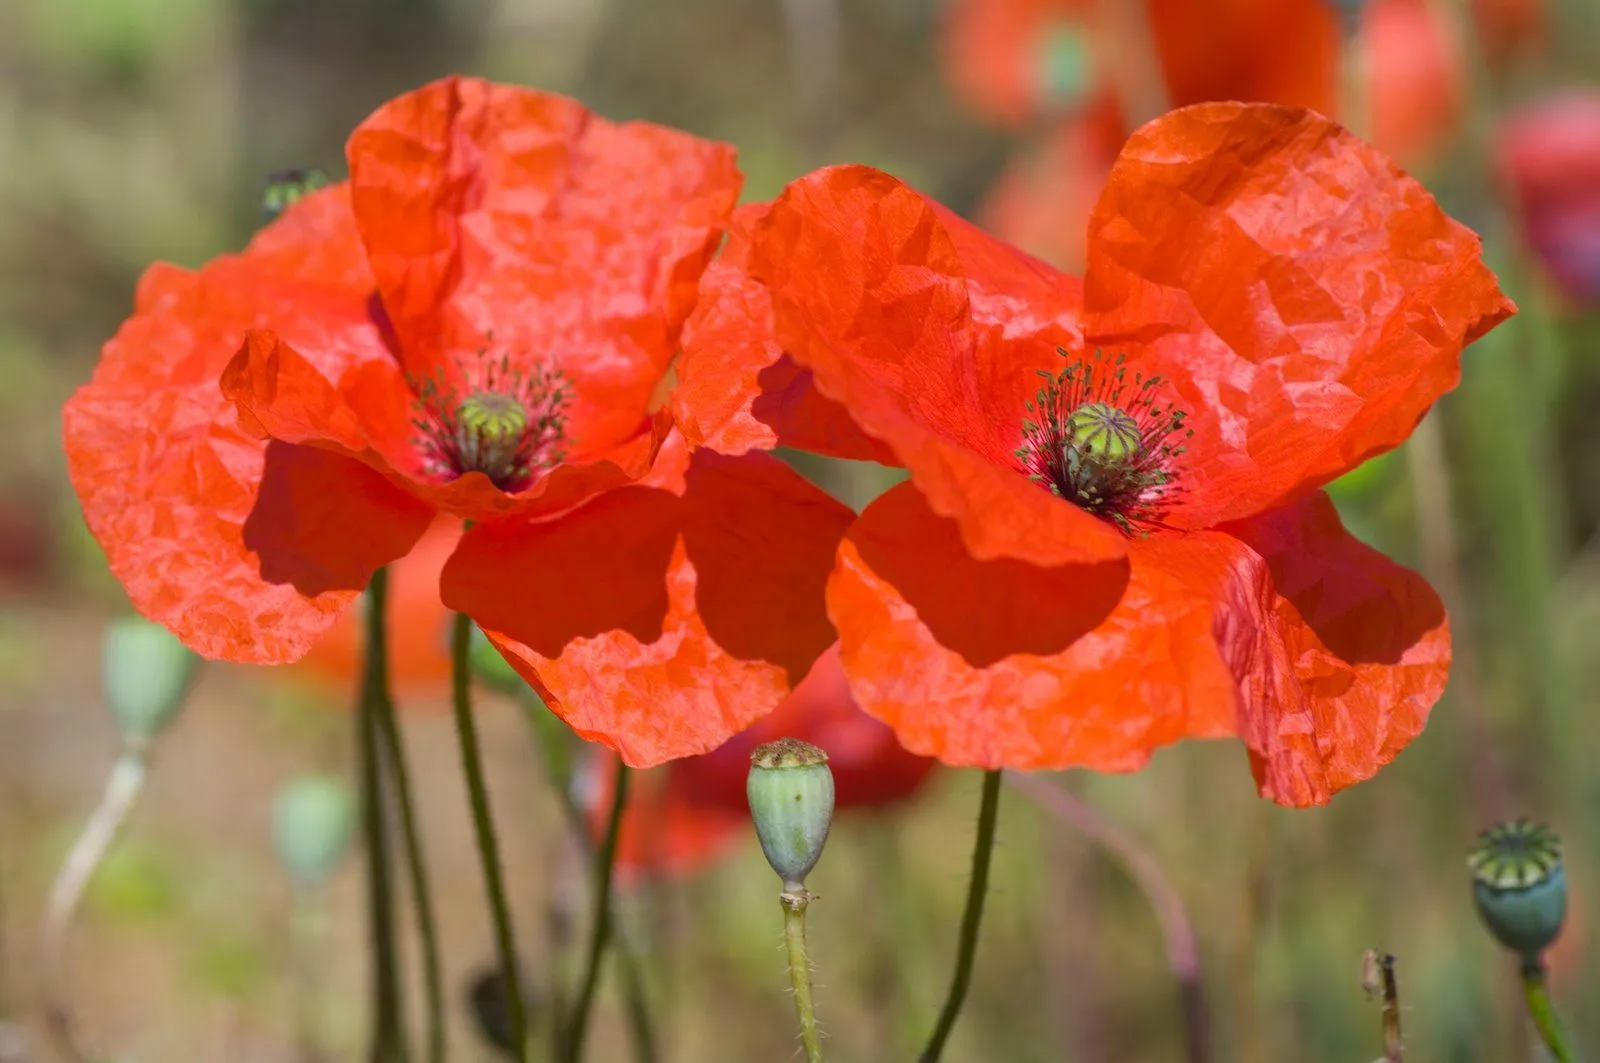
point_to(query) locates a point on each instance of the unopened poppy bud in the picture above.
(146, 673)
(286, 186)
(1104, 433)
(311, 820)
(790, 789)
(1520, 886)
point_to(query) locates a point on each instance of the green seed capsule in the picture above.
(790, 789)
(285, 187)
(146, 674)
(311, 821)
(1103, 433)
(1520, 886)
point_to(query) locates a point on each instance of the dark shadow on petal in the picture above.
(326, 522)
(1363, 607)
(601, 568)
(804, 418)
(984, 610)
(762, 541)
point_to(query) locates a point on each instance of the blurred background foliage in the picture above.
(136, 130)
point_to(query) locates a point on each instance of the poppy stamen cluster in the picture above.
(510, 425)
(1102, 442)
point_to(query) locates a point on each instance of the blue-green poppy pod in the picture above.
(1520, 886)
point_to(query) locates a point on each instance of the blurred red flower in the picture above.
(1550, 162)
(687, 813)
(1136, 551)
(476, 325)
(1271, 51)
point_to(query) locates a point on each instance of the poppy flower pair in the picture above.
(1111, 537)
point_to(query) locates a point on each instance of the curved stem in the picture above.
(1543, 1014)
(1183, 949)
(558, 770)
(794, 936)
(604, 866)
(483, 827)
(388, 1032)
(972, 919)
(416, 868)
(123, 786)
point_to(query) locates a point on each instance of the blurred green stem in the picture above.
(972, 919)
(123, 786)
(388, 1031)
(1183, 949)
(553, 737)
(483, 827)
(794, 936)
(307, 934)
(1543, 1013)
(416, 867)
(1393, 1046)
(605, 862)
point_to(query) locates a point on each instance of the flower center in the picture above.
(1102, 442)
(510, 426)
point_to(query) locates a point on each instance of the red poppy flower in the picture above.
(689, 812)
(475, 324)
(1550, 159)
(1133, 550)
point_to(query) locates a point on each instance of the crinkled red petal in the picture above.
(871, 291)
(737, 391)
(662, 618)
(246, 552)
(1349, 655)
(1306, 301)
(515, 223)
(1319, 653)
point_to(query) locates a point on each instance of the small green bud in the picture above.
(311, 821)
(146, 674)
(1104, 433)
(1520, 886)
(1065, 65)
(790, 789)
(284, 187)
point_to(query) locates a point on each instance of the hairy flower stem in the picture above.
(416, 867)
(483, 827)
(795, 904)
(1543, 1013)
(1183, 950)
(388, 1029)
(123, 786)
(972, 919)
(605, 863)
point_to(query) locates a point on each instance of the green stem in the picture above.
(558, 770)
(388, 1037)
(1544, 1015)
(604, 866)
(123, 787)
(483, 826)
(416, 868)
(794, 935)
(983, 850)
